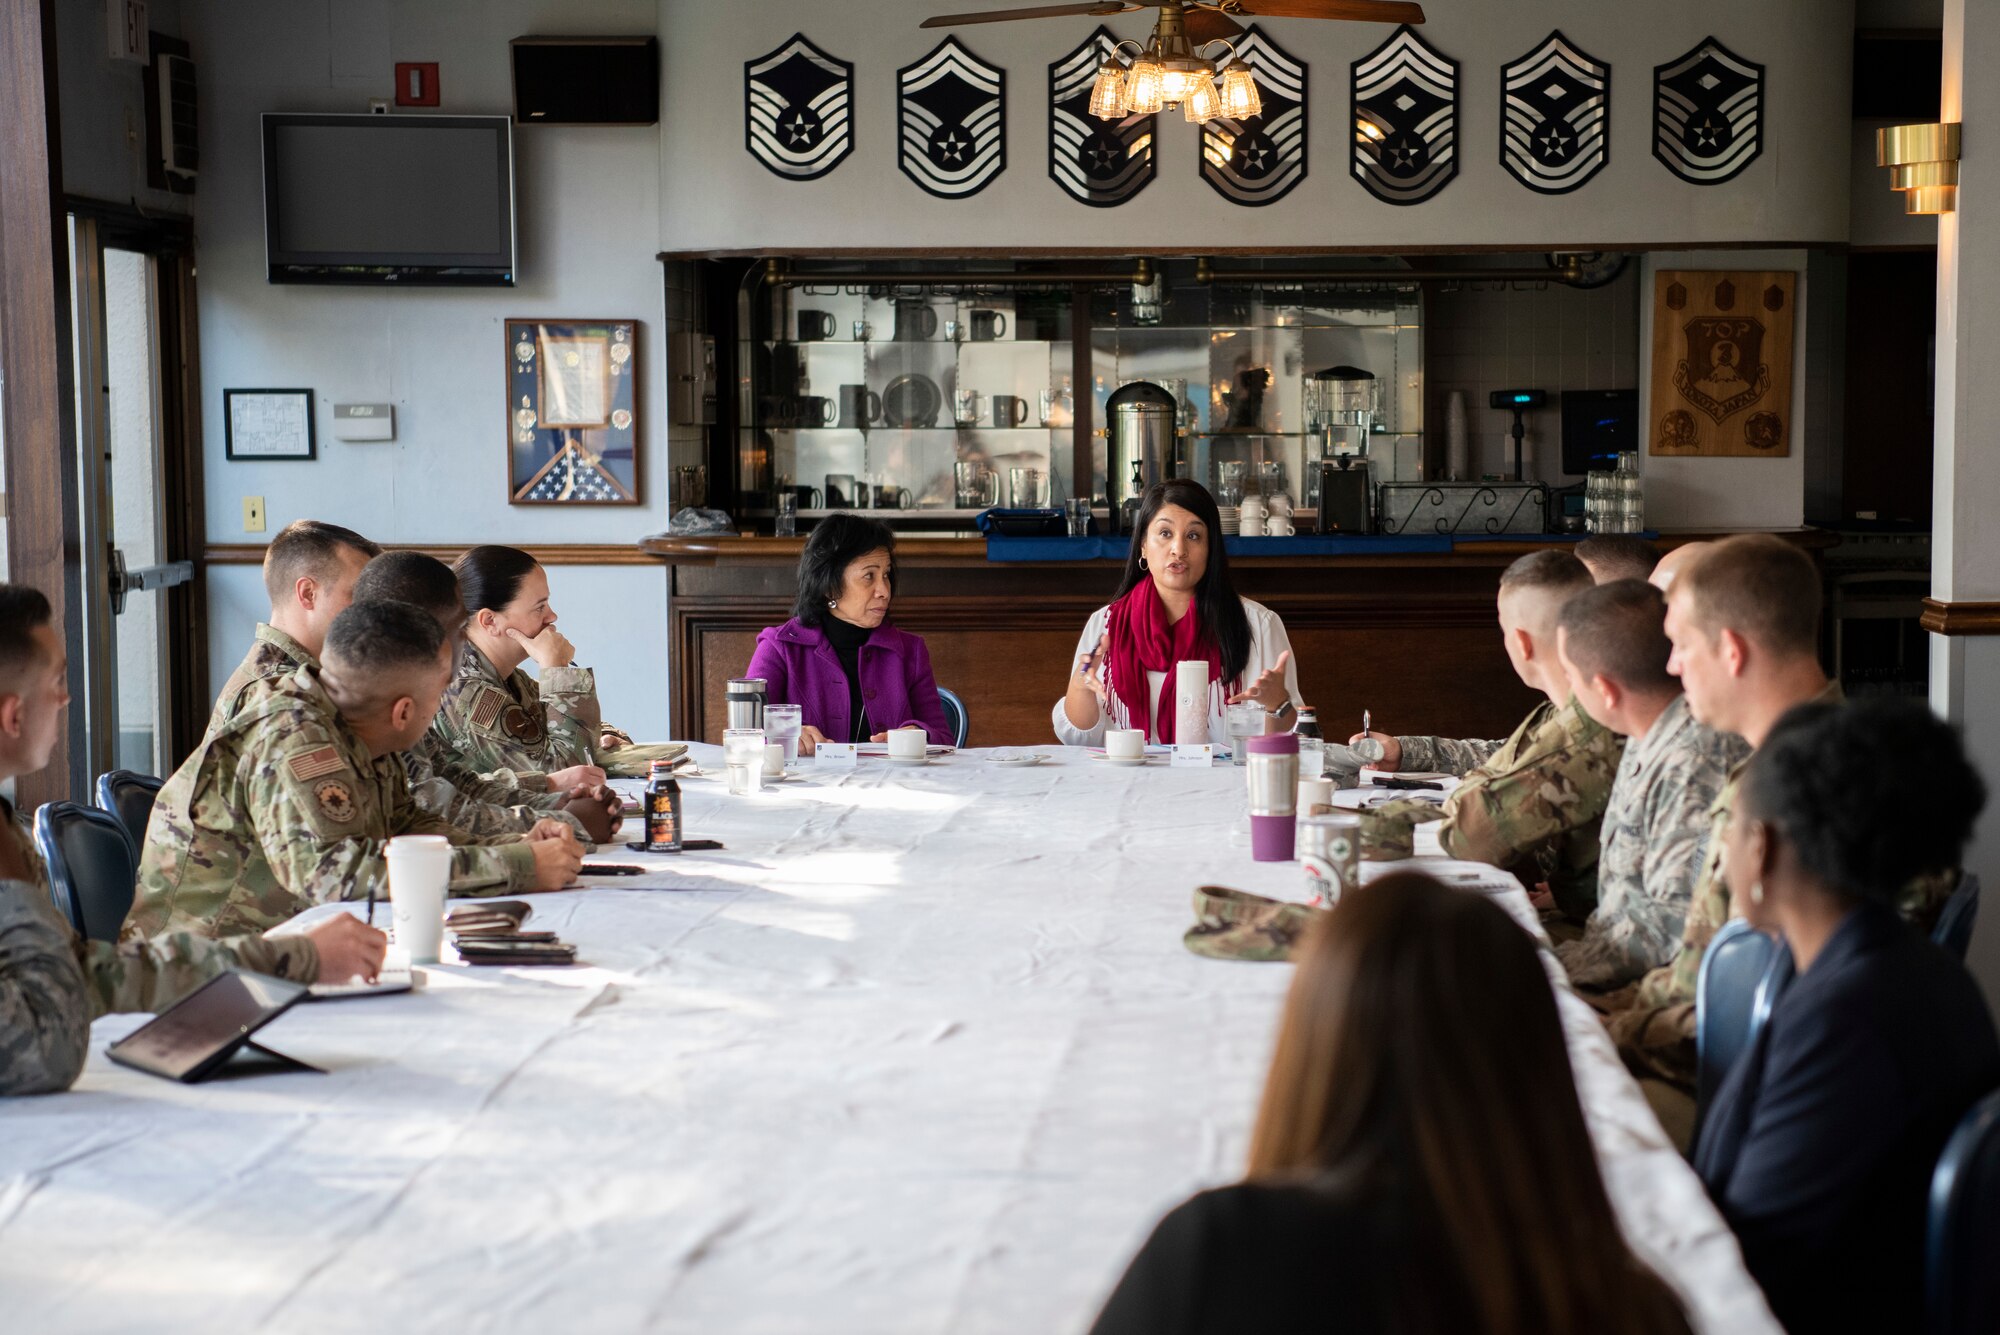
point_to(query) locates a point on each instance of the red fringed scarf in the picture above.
(1139, 639)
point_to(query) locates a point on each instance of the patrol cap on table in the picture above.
(1387, 836)
(1237, 925)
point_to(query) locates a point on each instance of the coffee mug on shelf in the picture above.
(815, 410)
(815, 325)
(988, 325)
(1027, 488)
(967, 406)
(810, 498)
(978, 486)
(860, 406)
(953, 331)
(889, 497)
(1009, 411)
(839, 490)
(915, 320)
(863, 331)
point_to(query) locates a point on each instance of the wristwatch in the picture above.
(1281, 710)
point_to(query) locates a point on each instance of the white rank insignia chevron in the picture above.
(1555, 105)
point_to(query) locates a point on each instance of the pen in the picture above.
(1365, 729)
(371, 903)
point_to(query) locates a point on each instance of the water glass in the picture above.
(1245, 721)
(782, 724)
(1027, 488)
(743, 759)
(1077, 511)
(786, 508)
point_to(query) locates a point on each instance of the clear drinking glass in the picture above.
(743, 759)
(1077, 511)
(786, 507)
(1027, 488)
(1245, 721)
(781, 725)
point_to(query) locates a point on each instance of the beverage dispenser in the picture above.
(1341, 403)
(1139, 424)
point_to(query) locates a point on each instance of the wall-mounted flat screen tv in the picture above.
(397, 200)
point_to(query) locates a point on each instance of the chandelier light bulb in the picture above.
(1239, 99)
(1203, 104)
(1108, 100)
(1175, 84)
(1143, 90)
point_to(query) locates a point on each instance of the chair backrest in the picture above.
(1962, 1284)
(91, 868)
(129, 795)
(954, 715)
(1725, 1002)
(1954, 924)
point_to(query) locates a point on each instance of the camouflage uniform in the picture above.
(44, 1013)
(1539, 797)
(283, 809)
(1237, 925)
(1654, 1022)
(438, 796)
(1445, 755)
(151, 975)
(497, 726)
(273, 654)
(1655, 828)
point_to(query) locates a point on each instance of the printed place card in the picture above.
(1193, 755)
(837, 755)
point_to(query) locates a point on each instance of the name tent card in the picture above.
(1193, 755)
(837, 755)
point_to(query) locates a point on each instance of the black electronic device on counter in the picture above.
(1597, 426)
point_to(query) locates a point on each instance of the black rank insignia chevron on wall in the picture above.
(1405, 97)
(1099, 163)
(798, 110)
(1258, 160)
(1708, 114)
(1555, 107)
(951, 121)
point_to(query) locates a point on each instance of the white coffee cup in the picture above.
(1278, 526)
(908, 743)
(419, 875)
(1125, 743)
(1251, 525)
(774, 760)
(1314, 792)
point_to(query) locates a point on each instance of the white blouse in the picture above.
(1267, 641)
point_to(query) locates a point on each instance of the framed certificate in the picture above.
(572, 412)
(267, 424)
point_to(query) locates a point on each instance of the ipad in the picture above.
(202, 1030)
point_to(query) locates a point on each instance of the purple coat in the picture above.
(800, 668)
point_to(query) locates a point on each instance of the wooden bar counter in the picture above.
(1411, 636)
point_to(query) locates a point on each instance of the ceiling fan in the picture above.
(1169, 70)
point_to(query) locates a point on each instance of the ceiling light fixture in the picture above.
(1171, 72)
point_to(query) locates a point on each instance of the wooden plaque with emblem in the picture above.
(1722, 363)
(572, 412)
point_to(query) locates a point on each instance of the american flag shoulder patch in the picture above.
(487, 707)
(309, 765)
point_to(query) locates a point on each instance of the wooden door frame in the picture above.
(38, 395)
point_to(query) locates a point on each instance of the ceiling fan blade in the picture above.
(1205, 25)
(1361, 11)
(1034, 12)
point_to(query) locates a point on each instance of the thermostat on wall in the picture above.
(364, 421)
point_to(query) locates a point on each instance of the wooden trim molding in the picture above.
(1945, 618)
(554, 554)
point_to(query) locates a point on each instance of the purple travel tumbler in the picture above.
(1274, 795)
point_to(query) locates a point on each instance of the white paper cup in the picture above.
(1125, 743)
(774, 760)
(419, 875)
(908, 743)
(1314, 793)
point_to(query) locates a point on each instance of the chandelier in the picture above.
(1169, 71)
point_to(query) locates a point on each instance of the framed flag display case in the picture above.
(572, 412)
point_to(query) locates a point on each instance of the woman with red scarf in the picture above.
(1175, 604)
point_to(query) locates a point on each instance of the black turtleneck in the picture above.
(847, 639)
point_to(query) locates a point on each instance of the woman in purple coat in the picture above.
(852, 674)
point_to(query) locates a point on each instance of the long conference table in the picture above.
(919, 1050)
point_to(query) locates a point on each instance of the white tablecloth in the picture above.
(920, 1051)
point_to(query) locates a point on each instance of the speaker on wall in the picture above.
(586, 80)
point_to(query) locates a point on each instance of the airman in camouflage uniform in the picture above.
(517, 814)
(1538, 798)
(1445, 755)
(44, 1012)
(1655, 830)
(272, 654)
(1654, 1023)
(494, 725)
(284, 808)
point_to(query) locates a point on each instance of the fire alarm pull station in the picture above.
(416, 84)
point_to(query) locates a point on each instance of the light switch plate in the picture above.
(253, 514)
(364, 421)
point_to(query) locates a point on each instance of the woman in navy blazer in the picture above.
(853, 675)
(1820, 1144)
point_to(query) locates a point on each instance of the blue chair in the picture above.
(91, 868)
(129, 795)
(1954, 924)
(1962, 1285)
(954, 715)
(1728, 996)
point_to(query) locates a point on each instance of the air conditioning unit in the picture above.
(177, 125)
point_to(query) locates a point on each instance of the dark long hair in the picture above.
(1421, 1055)
(490, 577)
(836, 543)
(1215, 597)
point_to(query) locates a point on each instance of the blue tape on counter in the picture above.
(1057, 549)
(1115, 548)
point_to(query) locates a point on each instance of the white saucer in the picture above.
(1020, 761)
(1126, 761)
(909, 760)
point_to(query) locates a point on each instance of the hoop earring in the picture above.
(1756, 892)
(1142, 563)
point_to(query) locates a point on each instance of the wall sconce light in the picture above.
(1923, 164)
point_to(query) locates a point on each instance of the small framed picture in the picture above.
(572, 412)
(268, 424)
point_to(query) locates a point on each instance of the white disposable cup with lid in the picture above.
(419, 877)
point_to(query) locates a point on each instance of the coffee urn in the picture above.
(1139, 422)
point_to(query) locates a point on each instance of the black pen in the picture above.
(371, 903)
